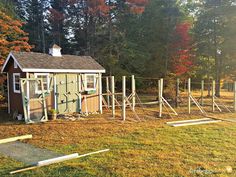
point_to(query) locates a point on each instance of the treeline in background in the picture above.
(147, 38)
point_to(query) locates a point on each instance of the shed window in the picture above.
(45, 79)
(90, 82)
(16, 82)
(15, 64)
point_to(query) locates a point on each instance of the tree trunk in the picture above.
(43, 37)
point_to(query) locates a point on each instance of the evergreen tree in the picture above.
(57, 25)
(210, 28)
(34, 24)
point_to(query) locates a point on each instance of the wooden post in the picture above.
(160, 93)
(202, 91)
(189, 96)
(113, 96)
(44, 101)
(133, 92)
(79, 90)
(22, 82)
(55, 91)
(177, 93)
(107, 90)
(213, 95)
(123, 97)
(100, 92)
(86, 105)
(235, 96)
(208, 88)
(28, 94)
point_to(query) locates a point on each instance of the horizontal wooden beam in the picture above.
(8, 140)
(195, 123)
(190, 120)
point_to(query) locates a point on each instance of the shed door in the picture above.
(61, 91)
(72, 92)
(67, 93)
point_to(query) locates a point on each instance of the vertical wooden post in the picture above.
(44, 101)
(123, 97)
(55, 91)
(113, 96)
(208, 88)
(79, 90)
(177, 93)
(28, 93)
(189, 95)
(162, 91)
(22, 82)
(86, 105)
(235, 96)
(133, 91)
(202, 91)
(100, 92)
(160, 94)
(213, 95)
(107, 90)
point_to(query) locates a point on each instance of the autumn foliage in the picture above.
(98, 7)
(137, 6)
(181, 50)
(12, 37)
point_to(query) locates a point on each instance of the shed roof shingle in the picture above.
(35, 60)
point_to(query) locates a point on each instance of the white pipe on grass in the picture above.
(57, 160)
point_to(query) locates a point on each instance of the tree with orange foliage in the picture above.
(137, 6)
(98, 7)
(12, 37)
(181, 50)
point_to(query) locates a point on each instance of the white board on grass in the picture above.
(192, 122)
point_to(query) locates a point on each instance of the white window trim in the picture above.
(48, 80)
(94, 86)
(14, 88)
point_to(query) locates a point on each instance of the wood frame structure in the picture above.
(130, 100)
(192, 99)
(109, 100)
(126, 100)
(162, 101)
(26, 98)
(215, 98)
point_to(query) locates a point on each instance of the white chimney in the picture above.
(55, 51)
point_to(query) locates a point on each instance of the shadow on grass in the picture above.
(6, 118)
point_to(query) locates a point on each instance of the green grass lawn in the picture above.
(147, 148)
